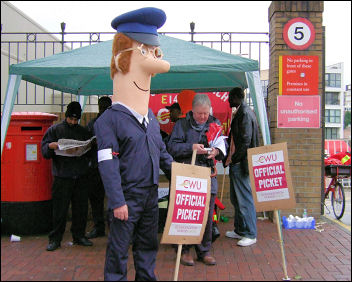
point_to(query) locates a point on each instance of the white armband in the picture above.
(105, 154)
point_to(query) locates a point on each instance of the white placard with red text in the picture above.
(270, 177)
(188, 206)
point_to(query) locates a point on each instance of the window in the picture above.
(332, 98)
(265, 84)
(332, 133)
(249, 100)
(333, 80)
(333, 116)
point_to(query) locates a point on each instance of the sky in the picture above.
(208, 16)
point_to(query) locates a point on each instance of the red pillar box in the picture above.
(26, 178)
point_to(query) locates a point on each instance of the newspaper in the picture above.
(219, 142)
(73, 148)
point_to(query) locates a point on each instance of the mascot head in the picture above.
(136, 56)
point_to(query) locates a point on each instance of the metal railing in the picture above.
(20, 47)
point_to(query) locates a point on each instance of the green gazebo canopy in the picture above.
(86, 71)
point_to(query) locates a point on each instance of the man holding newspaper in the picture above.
(68, 145)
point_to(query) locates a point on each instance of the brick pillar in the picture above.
(304, 145)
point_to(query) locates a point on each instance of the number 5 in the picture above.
(300, 32)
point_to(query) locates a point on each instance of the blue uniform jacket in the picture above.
(136, 155)
(181, 142)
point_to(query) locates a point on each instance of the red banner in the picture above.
(219, 102)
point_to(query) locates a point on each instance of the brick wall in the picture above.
(304, 145)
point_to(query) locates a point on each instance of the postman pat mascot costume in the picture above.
(130, 148)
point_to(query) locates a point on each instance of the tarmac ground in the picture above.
(323, 254)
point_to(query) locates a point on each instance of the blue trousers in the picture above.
(141, 229)
(241, 197)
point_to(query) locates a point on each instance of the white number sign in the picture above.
(299, 33)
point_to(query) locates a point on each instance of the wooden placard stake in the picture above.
(278, 225)
(179, 249)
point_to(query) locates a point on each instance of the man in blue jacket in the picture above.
(130, 148)
(70, 179)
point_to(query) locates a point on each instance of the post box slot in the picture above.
(28, 128)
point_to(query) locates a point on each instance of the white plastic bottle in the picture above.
(304, 215)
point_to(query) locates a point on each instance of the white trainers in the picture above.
(244, 242)
(233, 235)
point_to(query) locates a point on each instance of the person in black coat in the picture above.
(243, 135)
(96, 192)
(70, 179)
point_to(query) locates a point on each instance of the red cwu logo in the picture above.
(268, 158)
(187, 184)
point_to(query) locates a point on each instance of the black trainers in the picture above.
(53, 245)
(83, 242)
(95, 233)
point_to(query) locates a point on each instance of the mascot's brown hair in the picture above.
(120, 42)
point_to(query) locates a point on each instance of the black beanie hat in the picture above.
(73, 110)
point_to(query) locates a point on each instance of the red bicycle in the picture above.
(336, 172)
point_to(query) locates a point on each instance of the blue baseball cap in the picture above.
(141, 25)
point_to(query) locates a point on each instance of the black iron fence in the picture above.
(20, 47)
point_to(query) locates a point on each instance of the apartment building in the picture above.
(334, 101)
(347, 106)
(347, 98)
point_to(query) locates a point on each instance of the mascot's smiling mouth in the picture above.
(140, 88)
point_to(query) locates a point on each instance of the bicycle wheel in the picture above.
(338, 200)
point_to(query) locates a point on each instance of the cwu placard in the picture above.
(270, 176)
(189, 204)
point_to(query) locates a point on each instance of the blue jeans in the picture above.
(241, 198)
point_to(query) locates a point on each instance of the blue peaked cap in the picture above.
(141, 25)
